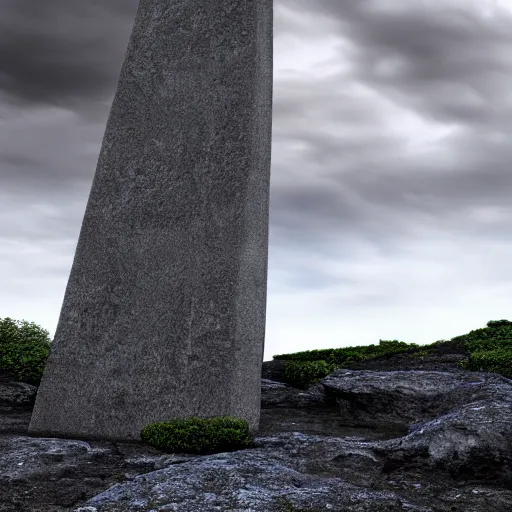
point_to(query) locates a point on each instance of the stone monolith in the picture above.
(164, 311)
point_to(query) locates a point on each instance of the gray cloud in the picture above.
(447, 65)
(62, 53)
(394, 143)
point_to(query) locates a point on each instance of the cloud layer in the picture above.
(390, 196)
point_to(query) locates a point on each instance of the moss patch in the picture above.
(199, 435)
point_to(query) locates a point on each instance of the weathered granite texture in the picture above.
(429, 438)
(164, 312)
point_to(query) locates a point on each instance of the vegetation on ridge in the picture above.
(487, 350)
(25, 347)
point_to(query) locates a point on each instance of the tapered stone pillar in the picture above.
(164, 312)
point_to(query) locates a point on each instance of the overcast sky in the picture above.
(391, 181)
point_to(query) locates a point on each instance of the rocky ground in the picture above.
(397, 433)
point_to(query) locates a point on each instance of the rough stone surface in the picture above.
(432, 438)
(16, 395)
(164, 312)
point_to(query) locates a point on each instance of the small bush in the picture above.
(499, 323)
(24, 349)
(199, 435)
(493, 361)
(303, 374)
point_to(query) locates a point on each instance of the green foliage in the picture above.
(494, 361)
(24, 349)
(420, 354)
(499, 323)
(496, 330)
(302, 369)
(199, 435)
(307, 355)
(350, 354)
(487, 348)
(464, 364)
(486, 344)
(303, 374)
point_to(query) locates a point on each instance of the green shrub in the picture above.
(420, 354)
(494, 361)
(199, 435)
(350, 354)
(24, 349)
(497, 330)
(303, 374)
(486, 344)
(499, 323)
(464, 364)
(307, 355)
(394, 344)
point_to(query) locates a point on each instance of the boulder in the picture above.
(402, 435)
(16, 395)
